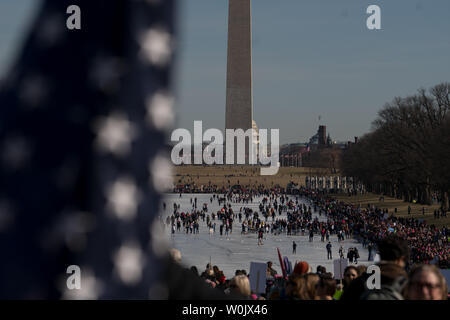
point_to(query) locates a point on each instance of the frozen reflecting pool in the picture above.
(237, 250)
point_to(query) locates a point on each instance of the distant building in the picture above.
(322, 135)
(350, 143)
(291, 155)
(299, 154)
(320, 139)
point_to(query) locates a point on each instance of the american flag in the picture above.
(84, 117)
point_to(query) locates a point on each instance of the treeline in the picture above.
(407, 153)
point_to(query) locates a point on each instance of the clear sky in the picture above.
(314, 58)
(310, 58)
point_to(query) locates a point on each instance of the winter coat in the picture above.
(387, 292)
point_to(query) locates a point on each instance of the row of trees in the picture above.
(407, 153)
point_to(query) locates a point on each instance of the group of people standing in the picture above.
(368, 226)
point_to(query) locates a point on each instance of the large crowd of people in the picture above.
(422, 282)
(427, 243)
(411, 251)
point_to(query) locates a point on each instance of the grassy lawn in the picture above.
(244, 175)
(402, 207)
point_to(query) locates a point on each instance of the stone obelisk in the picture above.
(239, 101)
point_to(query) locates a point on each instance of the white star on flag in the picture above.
(161, 173)
(123, 198)
(115, 134)
(160, 110)
(129, 262)
(156, 46)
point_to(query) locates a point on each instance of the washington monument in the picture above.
(239, 101)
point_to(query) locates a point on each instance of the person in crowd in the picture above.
(356, 255)
(326, 287)
(329, 254)
(207, 272)
(426, 282)
(222, 282)
(301, 268)
(393, 281)
(320, 270)
(392, 250)
(240, 285)
(278, 289)
(194, 270)
(341, 252)
(350, 274)
(339, 290)
(308, 291)
(350, 255)
(370, 248)
(211, 283)
(361, 270)
(294, 284)
(176, 255)
(271, 272)
(210, 275)
(216, 271)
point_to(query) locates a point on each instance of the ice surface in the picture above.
(236, 251)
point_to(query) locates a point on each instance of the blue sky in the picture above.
(310, 58)
(314, 58)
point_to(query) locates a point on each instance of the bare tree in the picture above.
(406, 154)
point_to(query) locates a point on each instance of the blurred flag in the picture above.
(83, 120)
